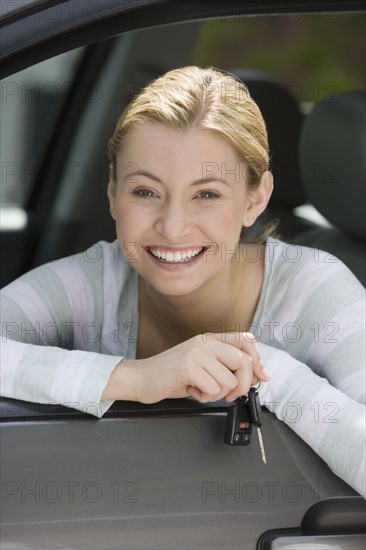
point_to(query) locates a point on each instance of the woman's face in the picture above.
(179, 202)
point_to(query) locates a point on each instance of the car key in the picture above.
(256, 417)
(238, 423)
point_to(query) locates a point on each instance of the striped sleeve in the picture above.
(52, 325)
(313, 343)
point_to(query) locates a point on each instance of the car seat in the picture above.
(333, 167)
(284, 121)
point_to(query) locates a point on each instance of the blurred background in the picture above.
(313, 55)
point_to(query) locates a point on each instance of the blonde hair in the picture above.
(192, 97)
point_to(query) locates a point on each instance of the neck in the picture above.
(220, 306)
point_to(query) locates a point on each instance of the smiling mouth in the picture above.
(177, 256)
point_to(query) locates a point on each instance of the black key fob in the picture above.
(255, 407)
(238, 423)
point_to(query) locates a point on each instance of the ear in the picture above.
(111, 192)
(258, 199)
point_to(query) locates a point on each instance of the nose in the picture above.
(173, 221)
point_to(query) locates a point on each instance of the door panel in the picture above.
(153, 482)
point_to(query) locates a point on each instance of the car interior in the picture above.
(314, 160)
(335, 129)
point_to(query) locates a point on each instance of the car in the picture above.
(160, 475)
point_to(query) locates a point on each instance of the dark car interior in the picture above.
(333, 166)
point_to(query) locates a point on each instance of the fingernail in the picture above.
(265, 374)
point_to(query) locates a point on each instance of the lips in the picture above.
(175, 256)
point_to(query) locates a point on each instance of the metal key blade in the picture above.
(255, 413)
(261, 445)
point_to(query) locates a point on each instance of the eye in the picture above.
(208, 195)
(144, 193)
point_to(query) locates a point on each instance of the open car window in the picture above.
(32, 101)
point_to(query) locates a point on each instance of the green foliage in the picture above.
(320, 54)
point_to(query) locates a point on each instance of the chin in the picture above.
(174, 288)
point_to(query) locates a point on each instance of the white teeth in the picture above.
(175, 257)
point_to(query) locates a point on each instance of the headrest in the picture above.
(283, 120)
(333, 160)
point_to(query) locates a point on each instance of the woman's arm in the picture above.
(329, 421)
(52, 375)
(208, 367)
(51, 324)
(313, 343)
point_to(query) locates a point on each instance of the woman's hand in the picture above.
(208, 367)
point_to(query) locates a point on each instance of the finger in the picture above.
(245, 381)
(232, 369)
(223, 374)
(232, 357)
(213, 380)
(244, 376)
(195, 392)
(201, 396)
(245, 341)
(203, 381)
(240, 362)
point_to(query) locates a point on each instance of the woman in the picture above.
(169, 309)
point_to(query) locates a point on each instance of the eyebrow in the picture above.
(202, 181)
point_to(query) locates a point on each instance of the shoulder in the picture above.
(308, 297)
(302, 263)
(297, 274)
(102, 260)
(85, 272)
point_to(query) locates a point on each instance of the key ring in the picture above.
(257, 386)
(244, 398)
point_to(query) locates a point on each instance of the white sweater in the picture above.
(67, 324)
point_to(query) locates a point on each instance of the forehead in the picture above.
(177, 156)
(149, 140)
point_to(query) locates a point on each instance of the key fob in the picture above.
(238, 423)
(255, 407)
